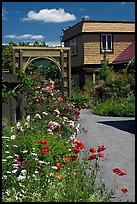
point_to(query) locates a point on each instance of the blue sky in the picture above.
(43, 21)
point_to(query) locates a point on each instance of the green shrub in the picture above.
(116, 107)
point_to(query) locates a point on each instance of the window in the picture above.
(74, 47)
(106, 42)
(75, 80)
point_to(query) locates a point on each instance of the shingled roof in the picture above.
(126, 55)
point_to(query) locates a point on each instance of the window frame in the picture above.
(74, 46)
(101, 43)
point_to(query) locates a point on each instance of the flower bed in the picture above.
(41, 154)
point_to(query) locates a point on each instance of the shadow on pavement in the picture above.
(125, 125)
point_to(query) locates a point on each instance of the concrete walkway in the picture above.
(117, 134)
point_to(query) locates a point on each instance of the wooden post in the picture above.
(62, 71)
(94, 77)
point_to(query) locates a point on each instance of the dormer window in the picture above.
(106, 42)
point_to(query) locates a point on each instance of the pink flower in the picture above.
(119, 172)
(51, 82)
(60, 99)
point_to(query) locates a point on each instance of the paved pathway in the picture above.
(117, 134)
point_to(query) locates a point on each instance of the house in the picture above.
(88, 40)
(125, 57)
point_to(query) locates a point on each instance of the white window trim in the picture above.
(107, 50)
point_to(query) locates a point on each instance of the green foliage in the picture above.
(80, 97)
(116, 107)
(7, 57)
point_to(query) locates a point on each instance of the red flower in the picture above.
(101, 155)
(79, 144)
(43, 141)
(92, 150)
(66, 158)
(57, 170)
(59, 165)
(73, 158)
(77, 116)
(119, 172)
(124, 190)
(47, 148)
(75, 151)
(38, 104)
(92, 157)
(44, 151)
(101, 148)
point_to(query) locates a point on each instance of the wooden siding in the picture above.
(78, 59)
(108, 27)
(97, 26)
(92, 47)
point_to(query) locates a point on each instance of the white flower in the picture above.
(36, 171)
(20, 178)
(71, 123)
(23, 171)
(44, 113)
(5, 137)
(12, 129)
(15, 146)
(41, 162)
(7, 152)
(9, 157)
(8, 172)
(18, 125)
(27, 125)
(33, 154)
(4, 177)
(4, 160)
(37, 116)
(54, 167)
(14, 171)
(15, 165)
(28, 118)
(25, 151)
(13, 137)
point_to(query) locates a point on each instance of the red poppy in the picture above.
(75, 151)
(59, 165)
(66, 158)
(119, 172)
(92, 157)
(79, 144)
(92, 150)
(44, 151)
(43, 141)
(124, 190)
(101, 148)
(101, 155)
(38, 104)
(73, 158)
(47, 148)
